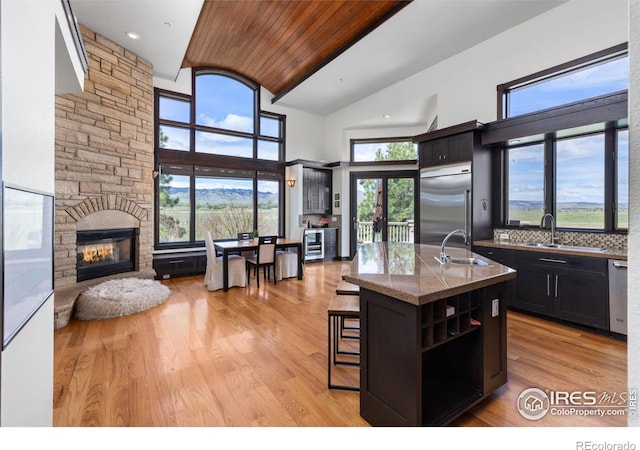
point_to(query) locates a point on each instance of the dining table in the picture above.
(234, 246)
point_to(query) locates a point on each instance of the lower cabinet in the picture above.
(169, 265)
(426, 365)
(566, 287)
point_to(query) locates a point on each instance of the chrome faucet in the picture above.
(553, 226)
(444, 258)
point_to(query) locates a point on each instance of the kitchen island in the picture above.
(432, 336)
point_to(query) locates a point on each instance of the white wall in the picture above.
(633, 349)
(28, 128)
(464, 86)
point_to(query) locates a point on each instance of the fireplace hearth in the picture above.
(105, 252)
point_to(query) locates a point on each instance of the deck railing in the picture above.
(396, 232)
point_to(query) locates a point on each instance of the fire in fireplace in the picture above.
(105, 252)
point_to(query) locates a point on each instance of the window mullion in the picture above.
(550, 159)
(610, 181)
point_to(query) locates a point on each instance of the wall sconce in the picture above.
(291, 183)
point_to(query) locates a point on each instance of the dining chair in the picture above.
(213, 277)
(265, 257)
(287, 259)
(247, 236)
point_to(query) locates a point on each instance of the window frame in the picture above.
(609, 131)
(192, 162)
(504, 89)
(354, 142)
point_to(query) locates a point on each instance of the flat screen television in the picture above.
(27, 249)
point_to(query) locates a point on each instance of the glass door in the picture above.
(382, 207)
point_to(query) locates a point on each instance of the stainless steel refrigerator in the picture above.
(445, 203)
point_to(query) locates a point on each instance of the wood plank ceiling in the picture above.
(277, 43)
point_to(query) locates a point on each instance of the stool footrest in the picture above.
(340, 308)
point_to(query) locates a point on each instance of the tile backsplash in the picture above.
(563, 237)
(314, 219)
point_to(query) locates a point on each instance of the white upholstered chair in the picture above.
(287, 260)
(236, 275)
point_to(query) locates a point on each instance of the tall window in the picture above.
(220, 162)
(598, 74)
(175, 210)
(268, 195)
(526, 184)
(579, 182)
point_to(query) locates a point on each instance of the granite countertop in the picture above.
(610, 253)
(410, 273)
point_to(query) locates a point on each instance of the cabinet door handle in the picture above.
(618, 265)
(558, 261)
(548, 285)
(556, 286)
(177, 261)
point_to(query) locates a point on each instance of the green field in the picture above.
(223, 223)
(592, 218)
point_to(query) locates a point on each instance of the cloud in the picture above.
(233, 122)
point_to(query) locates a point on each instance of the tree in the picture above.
(169, 226)
(400, 191)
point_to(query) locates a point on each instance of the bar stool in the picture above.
(341, 307)
(346, 288)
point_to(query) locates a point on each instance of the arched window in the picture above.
(220, 161)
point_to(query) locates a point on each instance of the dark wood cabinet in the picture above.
(446, 150)
(567, 287)
(330, 244)
(456, 346)
(582, 297)
(534, 289)
(169, 265)
(316, 190)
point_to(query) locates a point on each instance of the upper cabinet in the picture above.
(316, 187)
(448, 145)
(446, 150)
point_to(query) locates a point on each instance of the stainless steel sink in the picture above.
(468, 261)
(565, 247)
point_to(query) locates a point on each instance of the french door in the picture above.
(383, 207)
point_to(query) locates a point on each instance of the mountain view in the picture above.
(221, 196)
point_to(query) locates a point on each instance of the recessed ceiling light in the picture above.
(386, 116)
(132, 35)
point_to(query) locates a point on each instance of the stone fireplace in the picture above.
(104, 166)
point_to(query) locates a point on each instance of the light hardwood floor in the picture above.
(258, 357)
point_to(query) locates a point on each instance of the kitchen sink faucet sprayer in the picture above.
(444, 258)
(553, 226)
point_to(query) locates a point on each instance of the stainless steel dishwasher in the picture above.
(618, 296)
